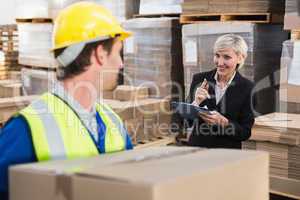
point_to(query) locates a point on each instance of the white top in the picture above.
(219, 91)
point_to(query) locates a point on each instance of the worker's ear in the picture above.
(99, 55)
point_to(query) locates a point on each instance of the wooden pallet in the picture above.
(157, 15)
(9, 61)
(8, 30)
(244, 17)
(9, 49)
(155, 142)
(295, 35)
(9, 38)
(35, 20)
(9, 69)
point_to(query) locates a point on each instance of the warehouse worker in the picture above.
(67, 122)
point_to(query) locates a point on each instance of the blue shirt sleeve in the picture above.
(15, 148)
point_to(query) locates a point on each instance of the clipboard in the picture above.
(189, 111)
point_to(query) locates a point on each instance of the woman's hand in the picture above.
(201, 93)
(215, 118)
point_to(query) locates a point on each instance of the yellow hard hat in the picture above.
(85, 22)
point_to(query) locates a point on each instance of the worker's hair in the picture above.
(235, 42)
(80, 64)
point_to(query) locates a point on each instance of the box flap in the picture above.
(172, 166)
(86, 164)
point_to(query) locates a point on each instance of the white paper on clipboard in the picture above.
(191, 55)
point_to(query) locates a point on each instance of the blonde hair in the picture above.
(235, 42)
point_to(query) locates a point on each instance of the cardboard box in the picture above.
(278, 134)
(289, 107)
(10, 88)
(131, 93)
(289, 93)
(232, 6)
(10, 106)
(160, 173)
(284, 186)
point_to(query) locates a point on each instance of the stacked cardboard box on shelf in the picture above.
(278, 134)
(152, 7)
(292, 18)
(35, 42)
(10, 88)
(10, 106)
(122, 9)
(152, 174)
(262, 63)
(289, 77)
(145, 118)
(40, 8)
(153, 56)
(8, 50)
(232, 6)
(14, 75)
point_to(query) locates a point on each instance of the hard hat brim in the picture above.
(122, 36)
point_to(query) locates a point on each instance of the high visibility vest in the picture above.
(58, 133)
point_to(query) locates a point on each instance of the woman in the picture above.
(227, 93)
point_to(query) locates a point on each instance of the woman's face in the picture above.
(226, 61)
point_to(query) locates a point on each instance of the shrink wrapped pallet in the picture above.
(160, 7)
(289, 78)
(153, 56)
(121, 9)
(232, 6)
(30, 9)
(35, 43)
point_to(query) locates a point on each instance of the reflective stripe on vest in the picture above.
(58, 133)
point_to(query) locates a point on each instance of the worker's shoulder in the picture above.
(15, 127)
(15, 122)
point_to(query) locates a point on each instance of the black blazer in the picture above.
(235, 105)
